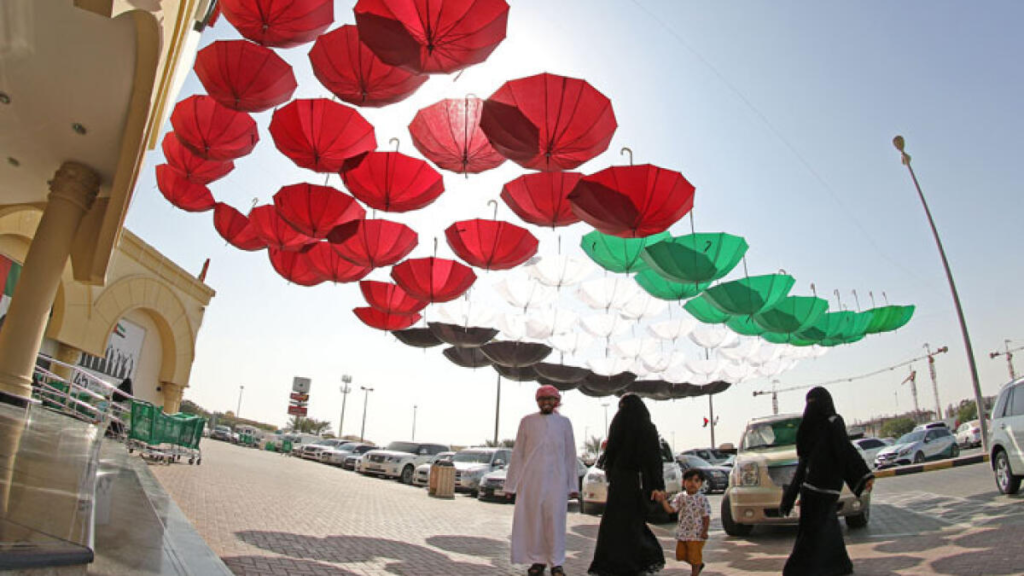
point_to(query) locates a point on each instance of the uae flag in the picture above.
(10, 271)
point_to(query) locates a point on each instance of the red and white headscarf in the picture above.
(549, 390)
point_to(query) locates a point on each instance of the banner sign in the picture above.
(299, 397)
(296, 410)
(121, 360)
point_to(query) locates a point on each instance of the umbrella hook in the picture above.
(396, 141)
(838, 298)
(783, 271)
(856, 299)
(495, 202)
(886, 298)
(814, 290)
(627, 149)
(253, 205)
(872, 298)
(435, 246)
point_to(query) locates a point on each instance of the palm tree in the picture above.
(592, 445)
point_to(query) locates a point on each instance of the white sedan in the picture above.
(870, 447)
(595, 482)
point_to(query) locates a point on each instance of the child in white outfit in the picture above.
(694, 518)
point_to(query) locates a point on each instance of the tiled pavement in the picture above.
(268, 514)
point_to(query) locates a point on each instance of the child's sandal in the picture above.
(557, 571)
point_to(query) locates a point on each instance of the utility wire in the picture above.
(853, 378)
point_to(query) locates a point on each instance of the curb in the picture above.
(941, 465)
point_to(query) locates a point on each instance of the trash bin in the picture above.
(442, 480)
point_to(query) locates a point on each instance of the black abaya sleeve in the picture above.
(855, 471)
(793, 489)
(651, 469)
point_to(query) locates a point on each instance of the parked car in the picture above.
(492, 486)
(355, 460)
(422, 475)
(222, 433)
(716, 478)
(595, 483)
(930, 425)
(919, 446)
(335, 455)
(399, 459)
(472, 463)
(764, 467)
(968, 435)
(1008, 437)
(312, 450)
(713, 456)
(870, 447)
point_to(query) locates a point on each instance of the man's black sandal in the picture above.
(557, 571)
(536, 570)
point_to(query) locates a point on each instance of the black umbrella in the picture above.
(608, 384)
(653, 389)
(467, 357)
(564, 387)
(462, 336)
(417, 337)
(684, 390)
(515, 354)
(561, 372)
(715, 387)
(521, 374)
(591, 392)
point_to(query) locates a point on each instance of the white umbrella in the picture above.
(465, 313)
(704, 371)
(525, 294)
(642, 306)
(672, 329)
(634, 348)
(609, 366)
(543, 324)
(679, 374)
(735, 372)
(658, 362)
(572, 343)
(512, 327)
(746, 348)
(713, 336)
(604, 325)
(560, 271)
(607, 293)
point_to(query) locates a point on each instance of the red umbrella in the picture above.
(294, 267)
(548, 122)
(279, 23)
(390, 298)
(491, 244)
(373, 243)
(632, 201)
(542, 198)
(433, 279)
(277, 233)
(432, 36)
(192, 167)
(316, 210)
(326, 262)
(393, 182)
(352, 72)
(320, 134)
(182, 192)
(383, 321)
(213, 131)
(235, 227)
(448, 134)
(244, 76)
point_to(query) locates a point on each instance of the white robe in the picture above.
(542, 474)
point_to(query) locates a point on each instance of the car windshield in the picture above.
(474, 456)
(911, 438)
(410, 447)
(691, 461)
(771, 434)
(362, 449)
(223, 429)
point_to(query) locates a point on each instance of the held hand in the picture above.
(704, 535)
(869, 485)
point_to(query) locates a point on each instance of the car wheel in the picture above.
(733, 528)
(859, 520)
(1005, 480)
(918, 458)
(407, 475)
(954, 451)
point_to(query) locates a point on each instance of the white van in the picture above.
(1007, 436)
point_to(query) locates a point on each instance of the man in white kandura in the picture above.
(542, 477)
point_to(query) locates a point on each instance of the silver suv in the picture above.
(1008, 437)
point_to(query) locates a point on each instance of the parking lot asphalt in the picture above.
(265, 513)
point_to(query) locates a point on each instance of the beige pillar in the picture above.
(72, 192)
(172, 396)
(68, 355)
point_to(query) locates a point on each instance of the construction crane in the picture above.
(1008, 352)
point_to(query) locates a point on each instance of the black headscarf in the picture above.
(631, 422)
(818, 410)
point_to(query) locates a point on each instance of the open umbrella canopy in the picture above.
(491, 244)
(548, 122)
(448, 134)
(888, 318)
(561, 386)
(316, 210)
(701, 309)
(559, 271)
(373, 243)
(619, 254)
(560, 373)
(643, 306)
(829, 325)
(791, 314)
(393, 182)
(518, 373)
(462, 336)
(542, 198)
(607, 293)
(352, 72)
(632, 201)
(672, 329)
(696, 258)
(592, 392)
(683, 390)
(191, 166)
(604, 325)
(657, 286)
(275, 232)
(432, 36)
(279, 23)
(525, 294)
(571, 343)
(213, 131)
(326, 262)
(321, 135)
(744, 326)
(466, 357)
(294, 267)
(417, 337)
(433, 279)
(390, 298)
(749, 295)
(712, 336)
(515, 354)
(543, 324)
(653, 389)
(375, 318)
(236, 229)
(181, 191)
(244, 76)
(606, 385)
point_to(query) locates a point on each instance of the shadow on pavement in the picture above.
(260, 565)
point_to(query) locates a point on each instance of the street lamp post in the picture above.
(605, 405)
(366, 397)
(345, 389)
(238, 411)
(413, 422)
(899, 143)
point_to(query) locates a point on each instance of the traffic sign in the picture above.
(300, 385)
(297, 397)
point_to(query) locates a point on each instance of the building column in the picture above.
(72, 192)
(172, 396)
(69, 355)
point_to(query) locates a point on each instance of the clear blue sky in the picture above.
(782, 115)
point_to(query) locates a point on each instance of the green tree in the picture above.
(592, 445)
(506, 443)
(966, 411)
(896, 427)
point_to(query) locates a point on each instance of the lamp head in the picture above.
(898, 143)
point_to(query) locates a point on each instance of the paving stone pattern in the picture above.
(267, 514)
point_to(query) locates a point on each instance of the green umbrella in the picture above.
(744, 325)
(749, 295)
(784, 338)
(658, 287)
(791, 314)
(702, 310)
(619, 254)
(829, 325)
(695, 258)
(888, 318)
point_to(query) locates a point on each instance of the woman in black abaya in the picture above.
(632, 462)
(827, 459)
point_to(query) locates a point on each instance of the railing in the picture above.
(85, 396)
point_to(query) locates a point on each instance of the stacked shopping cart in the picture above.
(165, 437)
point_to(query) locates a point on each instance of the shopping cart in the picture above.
(149, 432)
